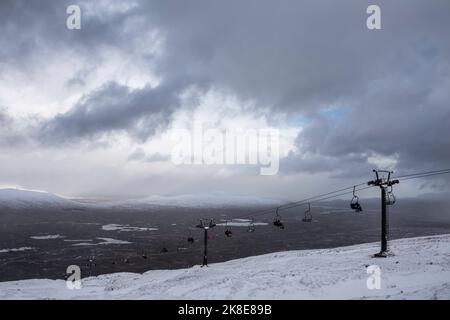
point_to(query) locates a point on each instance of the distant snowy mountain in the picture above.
(209, 200)
(419, 269)
(24, 199)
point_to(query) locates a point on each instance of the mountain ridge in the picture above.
(21, 199)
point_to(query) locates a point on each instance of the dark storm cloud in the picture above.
(404, 114)
(305, 56)
(300, 57)
(141, 112)
(295, 54)
(29, 27)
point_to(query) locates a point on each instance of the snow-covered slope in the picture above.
(23, 199)
(420, 269)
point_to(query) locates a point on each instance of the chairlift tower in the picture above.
(206, 225)
(384, 183)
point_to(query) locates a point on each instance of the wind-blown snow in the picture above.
(125, 228)
(105, 241)
(16, 249)
(240, 223)
(47, 237)
(420, 269)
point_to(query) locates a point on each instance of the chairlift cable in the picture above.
(422, 173)
(334, 194)
(313, 200)
(299, 203)
(289, 205)
(320, 198)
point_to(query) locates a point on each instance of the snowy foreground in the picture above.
(420, 269)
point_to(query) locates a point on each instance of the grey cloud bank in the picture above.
(296, 58)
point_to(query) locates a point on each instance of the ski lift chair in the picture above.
(228, 232)
(390, 197)
(190, 238)
(354, 204)
(251, 227)
(308, 216)
(277, 221)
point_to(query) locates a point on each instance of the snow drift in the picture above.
(419, 269)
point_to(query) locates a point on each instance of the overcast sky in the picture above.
(90, 112)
